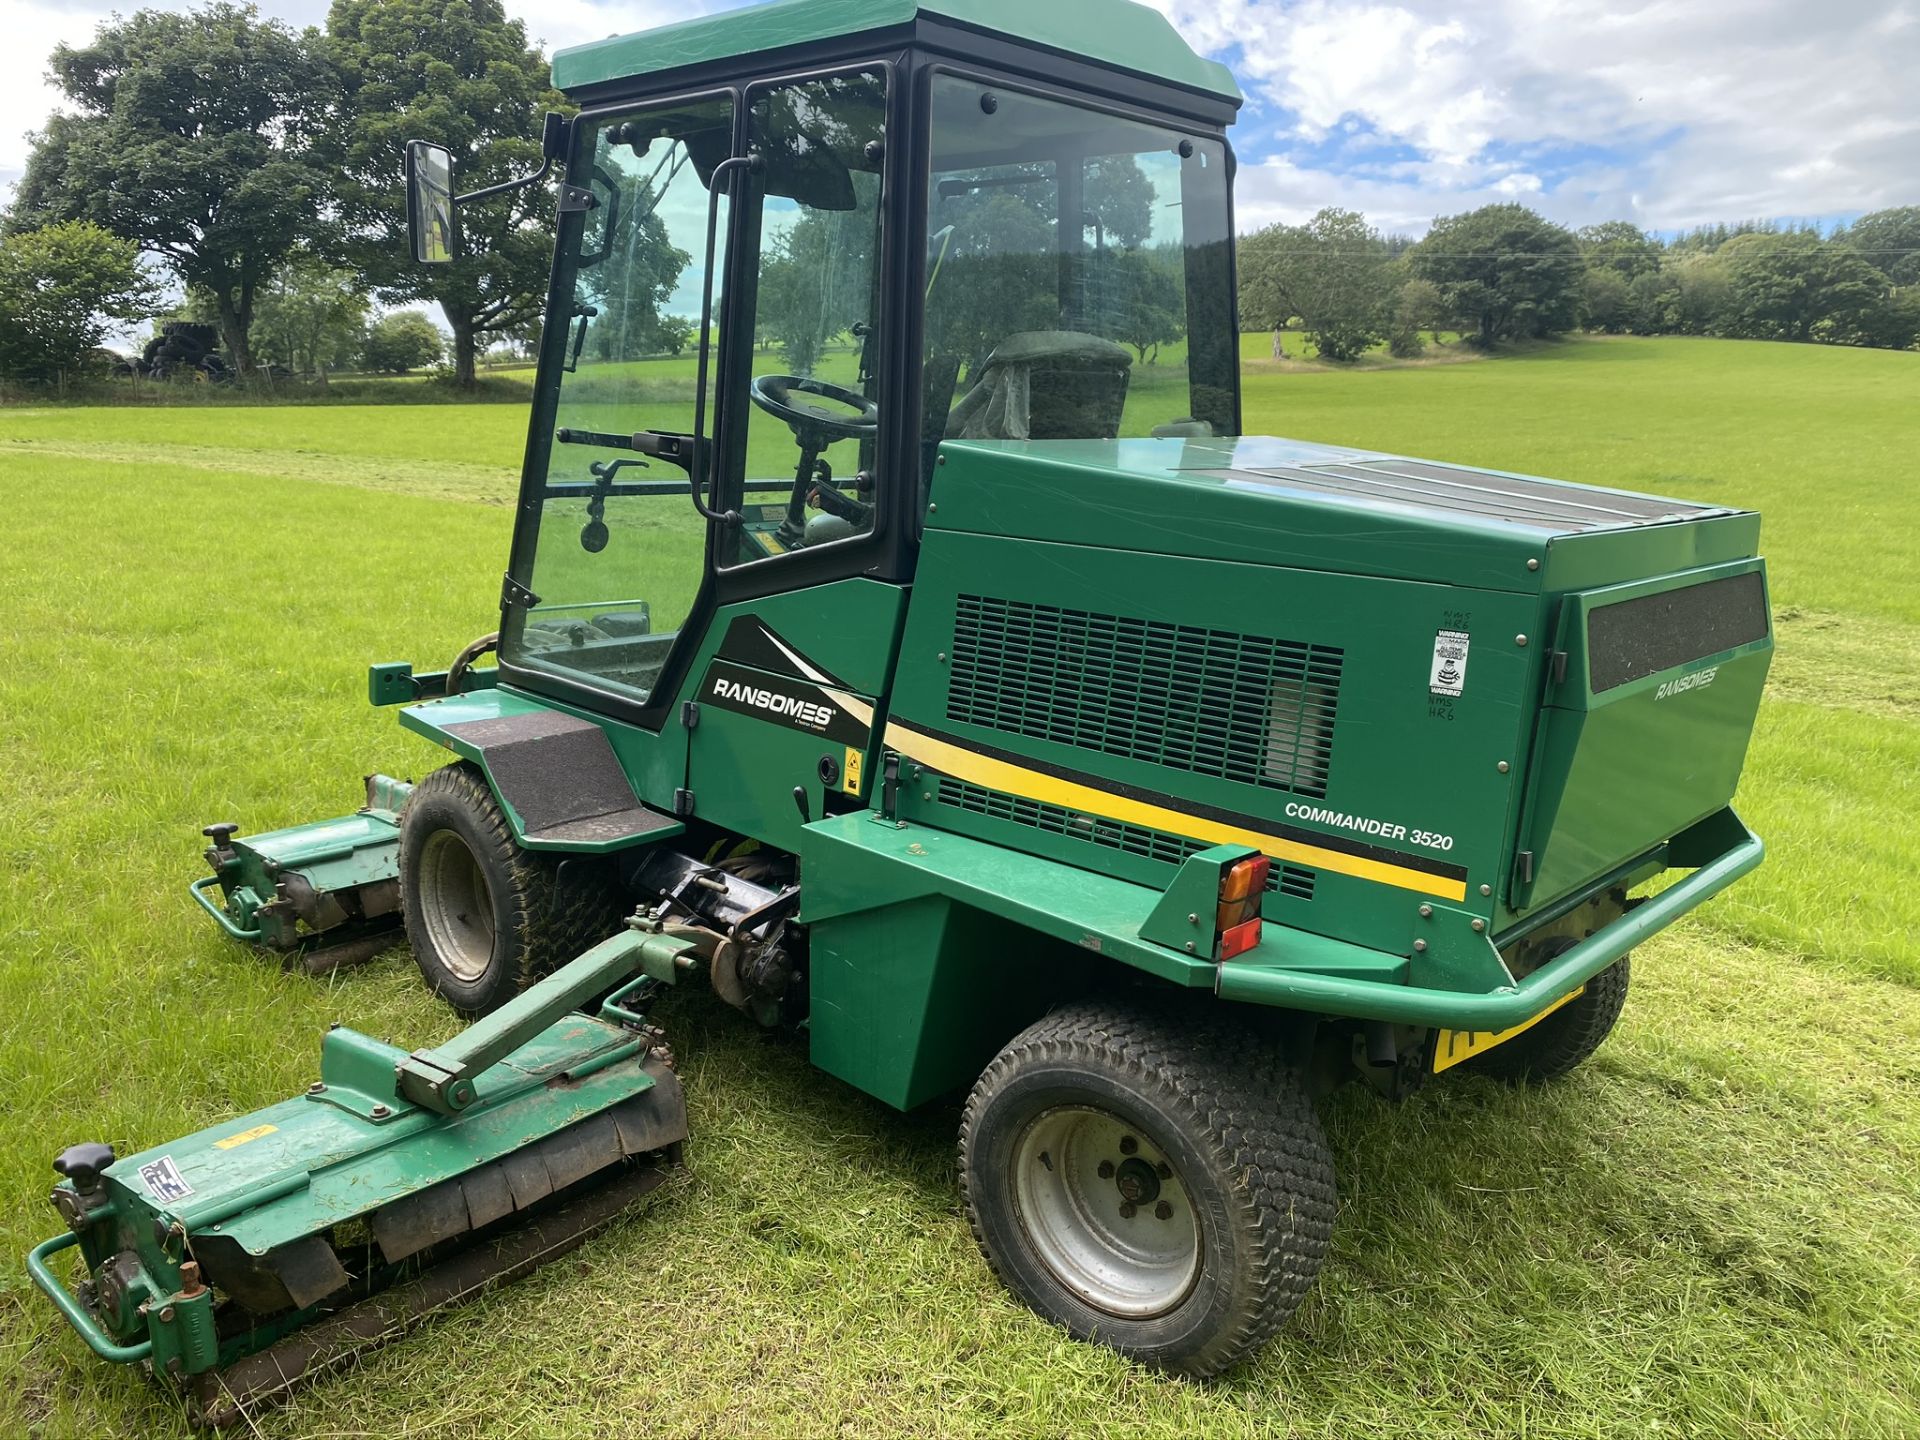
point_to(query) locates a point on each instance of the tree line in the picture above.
(1504, 272)
(259, 168)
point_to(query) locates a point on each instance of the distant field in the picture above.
(1709, 1231)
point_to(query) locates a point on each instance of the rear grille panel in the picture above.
(1632, 639)
(1245, 708)
(1148, 844)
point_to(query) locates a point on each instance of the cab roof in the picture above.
(1119, 34)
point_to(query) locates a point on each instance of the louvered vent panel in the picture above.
(1134, 839)
(1213, 702)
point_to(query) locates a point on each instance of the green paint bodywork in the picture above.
(1122, 36)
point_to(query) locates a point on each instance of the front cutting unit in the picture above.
(944, 678)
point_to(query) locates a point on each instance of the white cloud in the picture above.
(1668, 112)
(1709, 111)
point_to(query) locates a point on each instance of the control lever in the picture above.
(800, 800)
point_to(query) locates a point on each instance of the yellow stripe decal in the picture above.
(995, 774)
(1450, 1047)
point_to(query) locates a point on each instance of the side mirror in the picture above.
(430, 202)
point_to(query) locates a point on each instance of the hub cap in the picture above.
(457, 905)
(1106, 1212)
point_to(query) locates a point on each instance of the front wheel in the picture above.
(483, 916)
(1154, 1185)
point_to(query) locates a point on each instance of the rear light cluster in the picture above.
(1237, 921)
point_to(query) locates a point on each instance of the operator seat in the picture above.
(1046, 385)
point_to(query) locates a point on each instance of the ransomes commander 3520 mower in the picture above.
(961, 692)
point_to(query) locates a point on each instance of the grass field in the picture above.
(1714, 1229)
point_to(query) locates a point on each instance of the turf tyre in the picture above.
(1567, 1038)
(485, 917)
(1235, 1125)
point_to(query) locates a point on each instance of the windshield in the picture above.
(620, 550)
(1079, 275)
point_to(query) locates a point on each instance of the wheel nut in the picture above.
(1128, 1145)
(1164, 1170)
(1106, 1170)
(1163, 1211)
(1126, 1210)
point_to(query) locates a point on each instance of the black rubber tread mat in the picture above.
(561, 777)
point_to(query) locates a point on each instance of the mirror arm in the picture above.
(546, 169)
(553, 146)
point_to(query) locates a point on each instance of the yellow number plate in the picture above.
(1450, 1047)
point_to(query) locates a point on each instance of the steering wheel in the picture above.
(777, 395)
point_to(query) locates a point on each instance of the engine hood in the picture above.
(1329, 507)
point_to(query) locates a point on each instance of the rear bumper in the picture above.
(1508, 1006)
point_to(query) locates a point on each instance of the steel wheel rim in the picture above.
(1135, 1262)
(457, 904)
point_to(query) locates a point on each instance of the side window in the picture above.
(621, 551)
(806, 478)
(1079, 278)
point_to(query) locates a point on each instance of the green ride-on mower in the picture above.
(964, 695)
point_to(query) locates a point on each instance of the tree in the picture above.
(405, 340)
(1417, 308)
(1504, 270)
(630, 290)
(1790, 285)
(1889, 240)
(1145, 302)
(310, 317)
(1606, 300)
(1331, 273)
(194, 138)
(60, 288)
(1616, 245)
(464, 76)
(1893, 324)
(1700, 294)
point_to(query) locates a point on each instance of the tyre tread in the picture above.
(1240, 1095)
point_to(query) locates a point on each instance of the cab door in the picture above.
(789, 684)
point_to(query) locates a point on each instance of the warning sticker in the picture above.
(245, 1137)
(1449, 675)
(163, 1181)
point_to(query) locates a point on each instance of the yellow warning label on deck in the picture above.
(850, 773)
(244, 1136)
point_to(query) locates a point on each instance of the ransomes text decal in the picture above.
(810, 713)
(1699, 680)
(781, 700)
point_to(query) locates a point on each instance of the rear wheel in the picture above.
(1567, 1037)
(1156, 1186)
(485, 917)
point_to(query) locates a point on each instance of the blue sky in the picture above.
(1669, 113)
